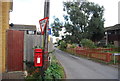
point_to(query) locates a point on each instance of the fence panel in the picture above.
(30, 41)
(92, 53)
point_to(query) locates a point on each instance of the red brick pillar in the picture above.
(108, 57)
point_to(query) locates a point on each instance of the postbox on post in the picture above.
(38, 57)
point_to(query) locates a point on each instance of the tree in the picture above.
(83, 20)
(62, 44)
(56, 27)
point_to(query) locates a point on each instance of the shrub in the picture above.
(87, 43)
(63, 45)
(29, 64)
(110, 46)
(54, 71)
(73, 46)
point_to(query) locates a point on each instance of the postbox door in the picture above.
(38, 60)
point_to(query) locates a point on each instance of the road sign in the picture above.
(43, 24)
(49, 31)
(115, 54)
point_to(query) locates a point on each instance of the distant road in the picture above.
(80, 68)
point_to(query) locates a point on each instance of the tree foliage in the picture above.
(56, 27)
(87, 43)
(83, 20)
(62, 44)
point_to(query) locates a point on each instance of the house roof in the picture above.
(115, 27)
(23, 27)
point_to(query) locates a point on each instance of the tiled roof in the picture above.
(115, 27)
(23, 27)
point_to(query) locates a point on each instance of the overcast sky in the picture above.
(31, 11)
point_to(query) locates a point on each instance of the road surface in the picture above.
(80, 68)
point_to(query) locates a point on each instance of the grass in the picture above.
(114, 52)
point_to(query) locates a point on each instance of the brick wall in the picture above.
(5, 25)
(0, 36)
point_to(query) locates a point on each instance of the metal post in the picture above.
(106, 38)
(114, 59)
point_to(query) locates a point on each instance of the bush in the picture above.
(54, 71)
(73, 46)
(29, 64)
(110, 46)
(62, 45)
(87, 43)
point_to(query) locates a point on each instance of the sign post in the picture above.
(115, 54)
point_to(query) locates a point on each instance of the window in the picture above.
(30, 32)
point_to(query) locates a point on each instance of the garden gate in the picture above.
(15, 50)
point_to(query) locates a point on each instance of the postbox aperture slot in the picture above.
(38, 52)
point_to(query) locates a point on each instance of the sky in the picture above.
(111, 11)
(29, 12)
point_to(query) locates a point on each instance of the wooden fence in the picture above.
(30, 41)
(20, 48)
(99, 53)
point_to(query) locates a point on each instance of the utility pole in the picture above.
(45, 39)
(46, 8)
(46, 14)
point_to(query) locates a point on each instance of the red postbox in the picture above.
(38, 57)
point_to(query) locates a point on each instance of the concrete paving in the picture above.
(80, 68)
(13, 75)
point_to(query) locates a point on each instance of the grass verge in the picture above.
(55, 70)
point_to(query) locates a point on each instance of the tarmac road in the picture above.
(80, 68)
